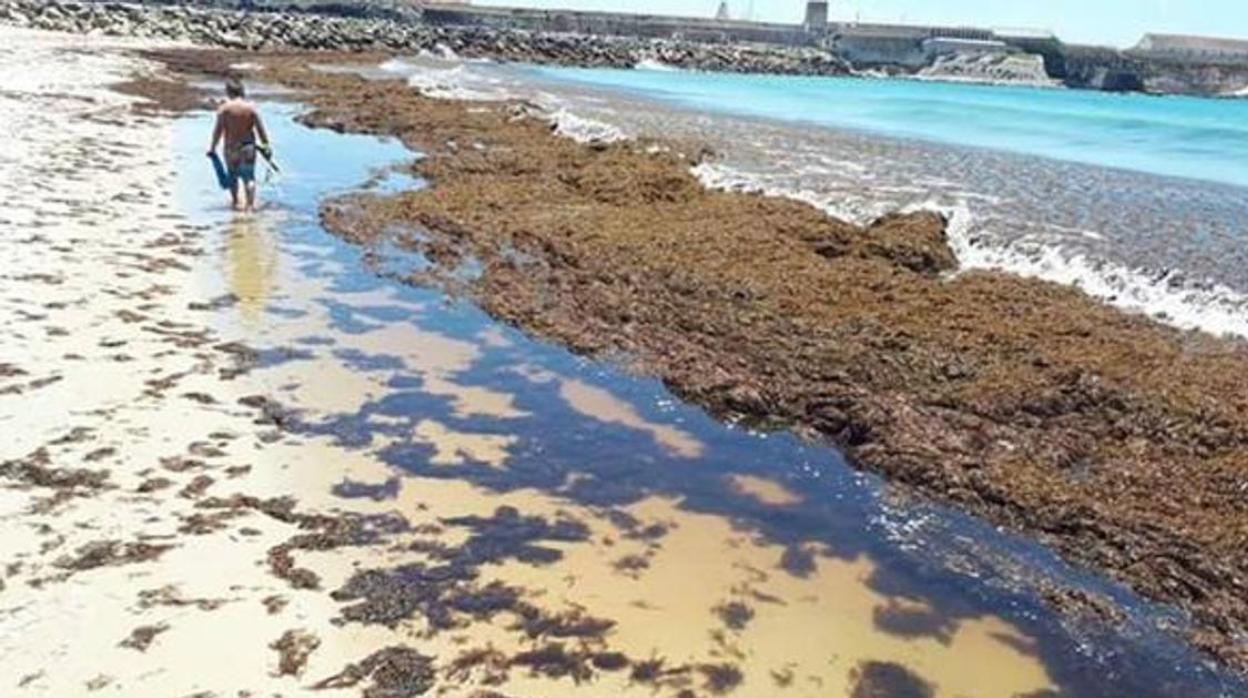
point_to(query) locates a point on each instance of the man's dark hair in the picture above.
(234, 88)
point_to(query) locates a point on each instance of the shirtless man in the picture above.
(239, 124)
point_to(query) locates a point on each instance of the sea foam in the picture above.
(1167, 297)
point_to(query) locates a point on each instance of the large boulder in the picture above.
(916, 241)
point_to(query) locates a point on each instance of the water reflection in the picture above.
(251, 260)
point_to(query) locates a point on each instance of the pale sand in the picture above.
(101, 267)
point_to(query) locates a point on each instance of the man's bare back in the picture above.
(239, 120)
(239, 125)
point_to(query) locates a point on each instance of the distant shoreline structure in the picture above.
(815, 23)
(814, 29)
(1161, 63)
(1158, 64)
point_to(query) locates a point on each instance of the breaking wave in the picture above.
(1166, 295)
(654, 64)
(582, 129)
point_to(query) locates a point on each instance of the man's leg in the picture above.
(247, 173)
(231, 168)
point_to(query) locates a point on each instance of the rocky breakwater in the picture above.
(255, 31)
(1002, 68)
(211, 27)
(1111, 70)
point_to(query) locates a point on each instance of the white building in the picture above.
(1193, 47)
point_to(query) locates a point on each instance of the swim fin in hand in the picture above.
(223, 175)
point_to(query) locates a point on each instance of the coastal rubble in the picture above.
(1002, 68)
(308, 31)
(357, 25)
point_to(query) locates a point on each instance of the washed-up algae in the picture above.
(1120, 442)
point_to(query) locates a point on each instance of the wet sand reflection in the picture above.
(251, 259)
(764, 491)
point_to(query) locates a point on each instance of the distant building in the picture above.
(967, 33)
(816, 16)
(946, 46)
(1193, 47)
(722, 13)
(1024, 34)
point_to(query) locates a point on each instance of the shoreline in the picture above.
(886, 427)
(242, 444)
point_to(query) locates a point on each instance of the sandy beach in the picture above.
(248, 458)
(163, 537)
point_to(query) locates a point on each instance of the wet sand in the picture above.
(241, 463)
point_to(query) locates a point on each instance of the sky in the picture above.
(1111, 22)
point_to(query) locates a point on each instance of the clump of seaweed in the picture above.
(393, 672)
(509, 535)
(293, 649)
(720, 678)
(554, 660)
(110, 553)
(141, 637)
(35, 470)
(875, 679)
(734, 614)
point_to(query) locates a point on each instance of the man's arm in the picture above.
(218, 130)
(263, 134)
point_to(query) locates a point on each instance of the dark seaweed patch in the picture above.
(720, 678)
(35, 470)
(329, 532)
(509, 535)
(734, 614)
(611, 661)
(555, 661)
(909, 622)
(350, 489)
(387, 597)
(655, 671)
(489, 662)
(109, 553)
(888, 680)
(141, 637)
(293, 649)
(575, 623)
(632, 565)
(798, 561)
(394, 672)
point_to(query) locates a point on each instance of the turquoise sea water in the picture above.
(1174, 136)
